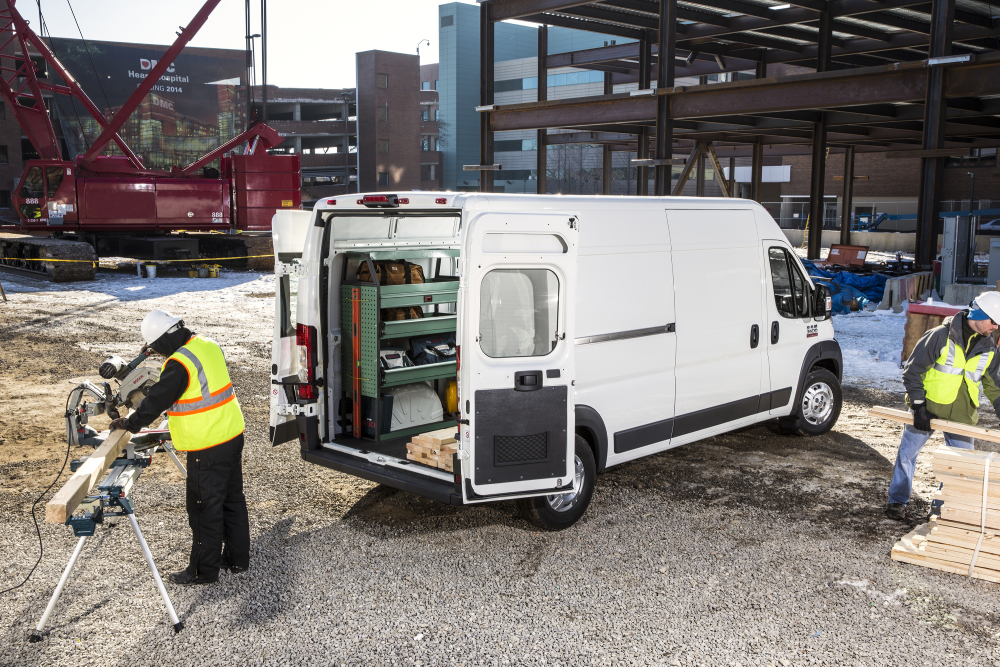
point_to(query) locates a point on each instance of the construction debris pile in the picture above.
(964, 539)
(434, 449)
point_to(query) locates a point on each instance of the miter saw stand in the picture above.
(112, 500)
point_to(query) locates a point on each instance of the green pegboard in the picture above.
(369, 339)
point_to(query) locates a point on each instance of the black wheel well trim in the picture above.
(825, 354)
(590, 427)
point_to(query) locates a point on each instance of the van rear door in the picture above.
(288, 234)
(516, 315)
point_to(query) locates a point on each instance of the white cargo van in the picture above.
(581, 331)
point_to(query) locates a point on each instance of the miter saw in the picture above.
(133, 383)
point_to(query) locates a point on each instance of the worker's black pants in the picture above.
(217, 509)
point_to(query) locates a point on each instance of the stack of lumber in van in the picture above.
(964, 539)
(434, 449)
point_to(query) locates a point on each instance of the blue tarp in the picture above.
(872, 287)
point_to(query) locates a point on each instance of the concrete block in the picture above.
(961, 295)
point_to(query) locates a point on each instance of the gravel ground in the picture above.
(751, 548)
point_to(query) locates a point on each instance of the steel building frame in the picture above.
(908, 77)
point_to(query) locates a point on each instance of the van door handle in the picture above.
(754, 336)
(774, 332)
(527, 380)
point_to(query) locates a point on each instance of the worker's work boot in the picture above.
(896, 511)
(187, 578)
(236, 569)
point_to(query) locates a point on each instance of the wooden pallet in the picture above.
(434, 449)
(965, 533)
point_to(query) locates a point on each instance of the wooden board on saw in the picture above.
(434, 449)
(76, 488)
(916, 547)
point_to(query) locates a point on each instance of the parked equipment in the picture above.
(115, 205)
(588, 331)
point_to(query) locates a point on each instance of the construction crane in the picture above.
(114, 205)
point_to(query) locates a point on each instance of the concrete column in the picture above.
(297, 112)
(298, 145)
(542, 163)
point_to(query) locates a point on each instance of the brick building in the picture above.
(431, 138)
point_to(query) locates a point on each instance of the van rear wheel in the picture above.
(562, 510)
(819, 407)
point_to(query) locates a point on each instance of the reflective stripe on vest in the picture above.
(207, 413)
(944, 379)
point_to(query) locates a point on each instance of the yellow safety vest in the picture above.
(944, 379)
(207, 413)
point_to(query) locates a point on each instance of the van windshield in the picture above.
(390, 226)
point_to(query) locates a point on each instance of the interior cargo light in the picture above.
(305, 338)
(380, 201)
(440, 200)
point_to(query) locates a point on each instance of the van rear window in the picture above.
(518, 313)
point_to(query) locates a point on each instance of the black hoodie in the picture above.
(171, 386)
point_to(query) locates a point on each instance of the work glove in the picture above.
(120, 425)
(921, 417)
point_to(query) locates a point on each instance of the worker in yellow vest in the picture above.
(205, 421)
(942, 378)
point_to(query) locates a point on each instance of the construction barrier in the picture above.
(905, 288)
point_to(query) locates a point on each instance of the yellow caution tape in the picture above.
(144, 261)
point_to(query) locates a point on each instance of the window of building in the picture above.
(425, 143)
(3, 152)
(424, 114)
(425, 85)
(435, 84)
(383, 146)
(383, 80)
(383, 178)
(437, 114)
(427, 172)
(447, 20)
(383, 113)
(5, 199)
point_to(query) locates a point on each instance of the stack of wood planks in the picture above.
(964, 538)
(434, 449)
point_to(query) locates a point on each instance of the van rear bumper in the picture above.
(414, 483)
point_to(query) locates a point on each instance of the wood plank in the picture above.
(907, 552)
(905, 417)
(76, 488)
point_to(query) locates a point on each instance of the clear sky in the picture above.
(311, 43)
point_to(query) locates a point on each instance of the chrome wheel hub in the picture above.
(817, 403)
(564, 502)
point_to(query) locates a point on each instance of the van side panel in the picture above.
(626, 289)
(718, 286)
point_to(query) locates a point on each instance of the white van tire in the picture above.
(819, 405)
(558, 512)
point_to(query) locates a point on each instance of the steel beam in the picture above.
(541, 162)
(757, 170)
(847, 202)
(818, 174)
(504, 10)
(665, 79)
(642, 173)
(485, 95)
(932, 168)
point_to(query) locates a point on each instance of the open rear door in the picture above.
(517, 354)
(288, 234)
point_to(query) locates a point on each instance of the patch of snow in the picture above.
(872, 344)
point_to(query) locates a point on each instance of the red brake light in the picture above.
(331, 201)
(404, 200)
(440, 200)
(305, 338)
(380, 201)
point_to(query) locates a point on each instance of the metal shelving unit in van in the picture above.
(373, 332)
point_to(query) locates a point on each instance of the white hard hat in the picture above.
(159, 322)
(989, 303)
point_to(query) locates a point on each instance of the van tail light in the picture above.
(305, 338)
(331, 201)
(441, 200)
(458, 358)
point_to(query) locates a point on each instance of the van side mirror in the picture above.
(822, 303)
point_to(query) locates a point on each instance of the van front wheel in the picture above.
(819, 407)
(560, 511)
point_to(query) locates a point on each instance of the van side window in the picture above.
(518, 313)
(791, 293)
